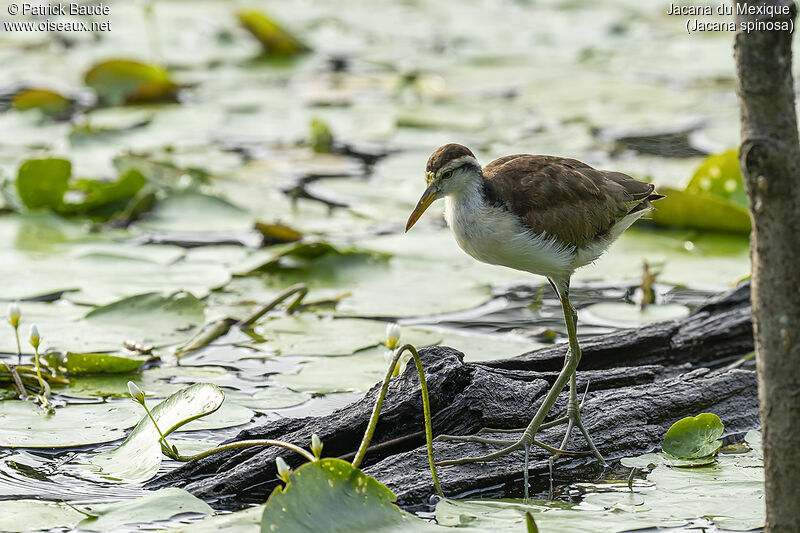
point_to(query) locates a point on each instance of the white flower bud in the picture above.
(392, 335)
(283, 469)
(33, 337)
(135, 392)
(14, 314)
(316, 445)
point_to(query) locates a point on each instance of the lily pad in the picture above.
(19, 516)
(119, 81)
(246, 521)
(623, 314)
(48, 102)
(655, 459)
(41, 183)
(331, 495)
(694, 436)
(158, 505)
(27, 426)
(311, 335)
(721, 176)
(273, 37)
(679, 495)
(753, 439)
(682, 209)
(34, 515)
(139, 457)
(92, 363)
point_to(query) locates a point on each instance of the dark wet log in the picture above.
(641, 380)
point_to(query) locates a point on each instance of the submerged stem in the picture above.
(373, 422)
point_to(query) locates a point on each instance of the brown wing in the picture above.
(564, 197)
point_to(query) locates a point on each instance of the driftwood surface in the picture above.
(641, 381)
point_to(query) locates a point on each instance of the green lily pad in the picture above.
(41, 183)
(331, 495)
(146, 318)
(679, 495)
(27, 426)
(33, 515)
(158, 505)
(139, 457)
(753, 439)
(621, 313)
(720, 175)
(350, 373)
(273, 37)
(119, 81)
(47, 101)
(311, 335)
(19, 516)
(152, 318)
(683, 209)
(694, 436)
(157, 382)
(246, 521)
(102, 199)
(655, 459)
(92, 363)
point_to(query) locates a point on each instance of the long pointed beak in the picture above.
(424, 202)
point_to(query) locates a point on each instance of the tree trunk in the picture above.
(770, 162)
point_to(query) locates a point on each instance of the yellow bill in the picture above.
(424, 202)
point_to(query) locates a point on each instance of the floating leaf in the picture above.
(683, 209)
(273, 38)
(34, 515)
(309, 335)
(97, 194)
(694, 436)
(158, 505)
(120, 81)
(277, 233)
(622, 314)
(151, 318)
(331, 495)
(655, 459)
(247, 521)
(19, 516)
(47, 101)
(139, 457)
(753, 439)
(92, 363)
(320, 136)
(720, 175)
(26, 426)
(41, 183)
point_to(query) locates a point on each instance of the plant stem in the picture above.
(373, 422)
(19, 348)
(300, 289)
(242, 444)
(163, 439)
(38, 368)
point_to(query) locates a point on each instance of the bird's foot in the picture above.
(573, 420)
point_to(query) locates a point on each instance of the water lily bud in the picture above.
(33, 338)
(316, 445)
(392, 335)
(135, 392)
(283, 469)
(14, 314)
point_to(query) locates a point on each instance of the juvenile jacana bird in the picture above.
(540, 214)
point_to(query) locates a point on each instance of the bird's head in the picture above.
(450, 169)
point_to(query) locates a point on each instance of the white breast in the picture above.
(495, 236)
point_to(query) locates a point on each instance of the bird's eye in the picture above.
(448, 174)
